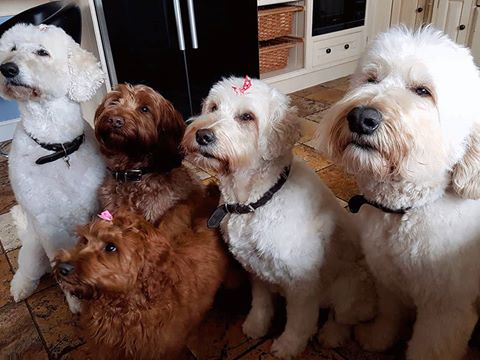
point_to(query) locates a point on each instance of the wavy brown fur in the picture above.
(147, 139)
(144, 300)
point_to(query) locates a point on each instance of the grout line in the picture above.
(42, 339)
(250, 349)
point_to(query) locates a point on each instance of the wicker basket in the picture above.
(276, 22)
(274, 53)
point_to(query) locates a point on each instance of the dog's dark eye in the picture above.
(110, 247)
(14, 48)
(83, 241)
(246, 117)
(144, 109)
(213, 108)
(42, 52)
(372, 80)
(422, 91)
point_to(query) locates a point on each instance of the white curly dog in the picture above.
(54, 165)
(287, 229)
(409, 130)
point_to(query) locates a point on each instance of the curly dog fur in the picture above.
(138, 128)
(145, 298)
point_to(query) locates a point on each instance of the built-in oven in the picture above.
(335, 15)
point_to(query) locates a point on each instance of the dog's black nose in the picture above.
(364, 120)
(9, 70)
(66, 268)
(205, 136)
(116, 121)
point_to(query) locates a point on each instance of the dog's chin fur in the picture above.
(145, 299)
(425, 157)
(148, 139)
(20, 92)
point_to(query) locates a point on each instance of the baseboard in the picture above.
(7, 128)
(303, 80)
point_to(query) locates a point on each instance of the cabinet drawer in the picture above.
(338, 49)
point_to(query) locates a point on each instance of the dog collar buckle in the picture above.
(220, 212)
(133, 175)
(217, 216)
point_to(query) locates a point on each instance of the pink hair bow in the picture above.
(247, 84)
(105, 215)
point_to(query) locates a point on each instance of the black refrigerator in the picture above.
(179, 47)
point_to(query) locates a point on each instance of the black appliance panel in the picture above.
(335, 15)
(144, 46)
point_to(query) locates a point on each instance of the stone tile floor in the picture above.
(43, 328)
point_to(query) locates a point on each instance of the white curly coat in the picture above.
(301, 243)
(53, 198)
(424, 155)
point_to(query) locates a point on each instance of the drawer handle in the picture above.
(328, 51)
(346, 47)
(461, 27)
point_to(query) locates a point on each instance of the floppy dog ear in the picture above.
(170, 128)
(283, 128)
(86, 75)
(466, 173)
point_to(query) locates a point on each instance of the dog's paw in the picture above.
(256, 326)
(375, 336)
(22, 287)
(287, 347)
(333, 335)
(74, 304)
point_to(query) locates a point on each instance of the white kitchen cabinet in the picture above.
(338, 49)
(378, 17)
(412, 13)
(455, 17)
(474, 40)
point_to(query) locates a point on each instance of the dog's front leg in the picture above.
(33, 263)
(384, 330)
(333, 334)
(260, 316)
(303, 305)
(442, 333)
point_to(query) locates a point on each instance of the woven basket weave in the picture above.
(276, 22)
(274, 53)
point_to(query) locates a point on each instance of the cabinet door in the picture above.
(453, 17)
(474, 42)
(378, 17)
(227, 44)
(412, 13)
(144, 47)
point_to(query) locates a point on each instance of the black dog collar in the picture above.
(130, 175)
(356, 202)
(61, 150)
(224, 209)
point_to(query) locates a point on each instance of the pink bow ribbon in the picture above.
(247, 84)
(105, 215)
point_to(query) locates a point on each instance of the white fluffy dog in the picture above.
(409, 129)
(286, 229)
(48, 73)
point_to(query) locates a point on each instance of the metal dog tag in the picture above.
(67, 160)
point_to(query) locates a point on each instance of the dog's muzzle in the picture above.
(9, 70)
(364, 120)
